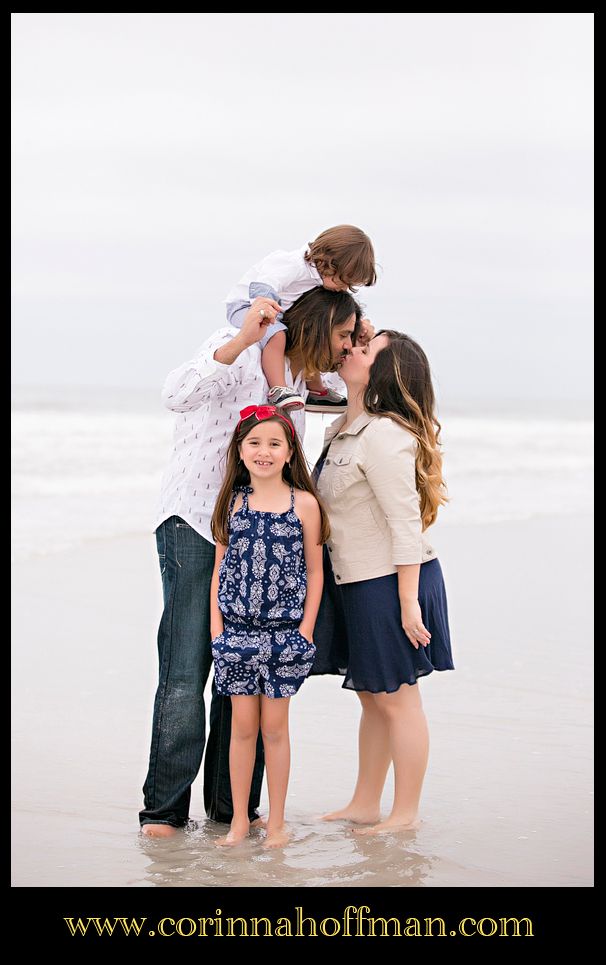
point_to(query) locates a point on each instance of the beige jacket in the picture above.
(368, 487)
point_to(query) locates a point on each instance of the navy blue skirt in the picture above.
(359, 634)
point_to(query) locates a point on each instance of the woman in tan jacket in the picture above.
(384, 621)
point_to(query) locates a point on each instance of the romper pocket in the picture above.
(310, 649)
(215, 640)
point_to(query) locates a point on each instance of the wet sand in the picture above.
(508, 794)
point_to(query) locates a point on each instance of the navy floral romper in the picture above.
(262, 587)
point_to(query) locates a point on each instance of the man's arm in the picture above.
(210, 373)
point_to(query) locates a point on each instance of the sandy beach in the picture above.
(508, 795)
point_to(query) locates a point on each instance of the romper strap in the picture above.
(231, 505)
(245, 490)
(292, 498)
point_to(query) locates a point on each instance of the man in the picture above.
(207, 393)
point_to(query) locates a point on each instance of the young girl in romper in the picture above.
(265, 594)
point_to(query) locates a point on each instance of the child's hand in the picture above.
(306, 633)
(366, 332)
(261, 313)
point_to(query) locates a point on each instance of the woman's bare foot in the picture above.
(158, 830)
(390, 825)
(276, 837)
(237, 833)
(356, 814)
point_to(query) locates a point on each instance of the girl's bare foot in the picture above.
(356, 814)
(236, 834)
(276, 837)
(388, 826)
(158, 830)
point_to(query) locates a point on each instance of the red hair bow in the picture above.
(263, 412)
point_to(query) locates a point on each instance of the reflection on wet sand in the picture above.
(318, 854)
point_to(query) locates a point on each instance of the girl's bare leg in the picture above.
(272, 360)
(409, 742)
(276, 741)
(374, 758)
(245, 715)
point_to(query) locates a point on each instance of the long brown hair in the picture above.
(400, 387)
(237, 475)
(309, 324)
(344, 251)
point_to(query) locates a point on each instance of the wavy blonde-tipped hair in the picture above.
(400, 387)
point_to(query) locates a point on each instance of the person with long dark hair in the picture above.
(268, 528)
(206, 394)
(383, 622)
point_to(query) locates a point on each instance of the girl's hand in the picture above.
(412, 624)
(305, 633)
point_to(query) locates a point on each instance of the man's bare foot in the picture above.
(389, 826)
(276, 837)
(259, 823)
(355, 814)
(158, 830)
(237, 833)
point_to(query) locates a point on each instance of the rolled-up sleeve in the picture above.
(389, 465)
(201, 378)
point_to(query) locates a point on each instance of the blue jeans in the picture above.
(179, 724)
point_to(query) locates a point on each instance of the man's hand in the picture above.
(261, 313)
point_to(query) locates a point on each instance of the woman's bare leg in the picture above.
(374, 758)
(409, 743)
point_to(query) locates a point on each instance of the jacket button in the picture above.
(326, 462)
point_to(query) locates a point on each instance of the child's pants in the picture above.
(237, 310)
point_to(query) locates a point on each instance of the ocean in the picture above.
(87, 464)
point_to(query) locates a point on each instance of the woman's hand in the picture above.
(412, 624)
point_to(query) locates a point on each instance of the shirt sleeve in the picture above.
(197, 381)
(279, 270)
(389, 465)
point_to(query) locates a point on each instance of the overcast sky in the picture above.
(157, 156)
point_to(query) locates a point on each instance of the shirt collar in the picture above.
(357, 425)
(297, 383)
(313, 271)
